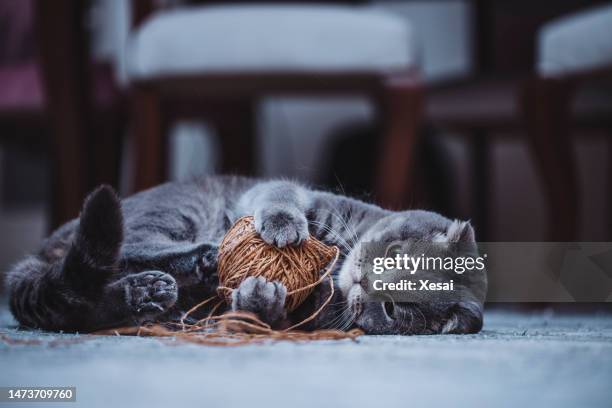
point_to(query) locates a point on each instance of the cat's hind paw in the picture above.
(150, 293)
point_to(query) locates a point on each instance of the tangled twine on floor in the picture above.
(243, 253)
(231, 329)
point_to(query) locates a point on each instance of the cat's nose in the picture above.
(363, 282)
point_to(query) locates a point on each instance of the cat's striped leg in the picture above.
(190, 264)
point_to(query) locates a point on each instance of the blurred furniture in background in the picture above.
(83, 104)
(217, 61)
(47, 99)
(490, 103)
(572, 88)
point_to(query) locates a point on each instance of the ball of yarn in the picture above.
(243, 253)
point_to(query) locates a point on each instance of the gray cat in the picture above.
(153, 255)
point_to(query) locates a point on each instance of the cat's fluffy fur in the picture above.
(153, 255)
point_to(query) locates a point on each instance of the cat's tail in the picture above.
(54, 289)
(95, 248)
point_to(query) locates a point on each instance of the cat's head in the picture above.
(461, 314)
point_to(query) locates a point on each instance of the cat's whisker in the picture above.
(352, 234)
(331, 324)
(349, 322)
(345, 223)
(348, 319)
(349, 228)
(335, 323)
(341, 241)
(339, 316)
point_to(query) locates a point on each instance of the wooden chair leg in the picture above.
(235, 123)
(65, 70)
(609, 197)
(149, 140)
(547, 110)
(402, 112)
(480, 183)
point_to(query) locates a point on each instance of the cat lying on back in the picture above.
(153, 255)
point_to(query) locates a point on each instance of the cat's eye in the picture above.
(389, 309)
(393, 250)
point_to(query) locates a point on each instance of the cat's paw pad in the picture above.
(150, 293)
(281, 227)
(257, 295)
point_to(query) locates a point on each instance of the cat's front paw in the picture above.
(281, 227)
(265, 299)
(150, 293)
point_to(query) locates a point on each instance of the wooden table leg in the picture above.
(402, 113)
(547, 110)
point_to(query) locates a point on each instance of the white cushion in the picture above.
(269, 37)
(582, 41)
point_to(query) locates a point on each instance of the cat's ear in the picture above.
(464, 317)
(457, 231)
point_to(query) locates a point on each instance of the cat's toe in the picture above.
(282, 228)
(151, 292)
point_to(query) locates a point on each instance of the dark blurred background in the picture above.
(495, 111)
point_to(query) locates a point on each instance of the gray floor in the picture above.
(517, 360)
